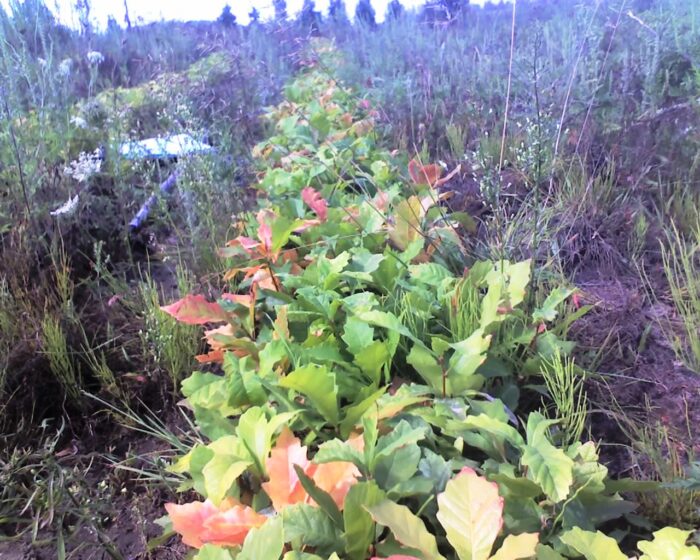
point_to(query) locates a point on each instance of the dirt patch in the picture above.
(101, 507)
(640, 376)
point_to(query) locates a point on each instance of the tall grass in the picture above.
(7, 327)
(681, 261)
(170, 344)
(61, 362)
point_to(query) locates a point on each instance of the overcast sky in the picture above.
(149, 10)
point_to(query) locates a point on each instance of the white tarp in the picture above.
(167, 147)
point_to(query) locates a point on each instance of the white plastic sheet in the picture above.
(167, 147)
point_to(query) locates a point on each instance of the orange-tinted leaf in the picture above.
(246, 242)
(220, 338)
(315, 201)
(213, 357)
(381, 201)
(306, 224)
(363, 127)
(188, 520)
(196, 310)
(241, 299)
(283, 486)
(282, 324)
(424, 174)
(264, 279)
(337, 477)
(259, 275)
(264, 218)
(202, 523)
(449, 176)
(230, 527)
(246, 300)
(247, 270)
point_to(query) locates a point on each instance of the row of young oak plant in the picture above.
(360, 395)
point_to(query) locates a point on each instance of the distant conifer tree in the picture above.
(444, 11)
(227, 18)
(254, 16)
(364, 13)
(394, 10)
(454, 8)
(309, 19)
(280, 10)
(337, 12)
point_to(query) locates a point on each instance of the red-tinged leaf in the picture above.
(264, 279)
(202, 523)
(241, 299)
(306, 224)
(246, 242)
(381, 201)
(448, 177)
(264, 229)
(196, 310)
(220, 337)
(246, 300)
(284, 487)
(337, 477)
(213, 357)
(248, 271)
(424, 174)
(315, 201)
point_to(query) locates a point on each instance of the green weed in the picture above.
(7, 328)
(680, 260)
(565, 386)
(165, 341)
(663, 456)
(61, 361)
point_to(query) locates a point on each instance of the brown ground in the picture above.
(641, 377)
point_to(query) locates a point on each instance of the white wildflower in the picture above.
(78, 121)
(95, 57)
(64, 69)
(84, 167)
(42, 62)
(67, 208)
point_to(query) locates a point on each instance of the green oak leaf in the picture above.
(548, 466)
(593, 546)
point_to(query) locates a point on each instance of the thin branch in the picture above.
(510, 79)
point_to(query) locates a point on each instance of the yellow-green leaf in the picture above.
(547, 465)
(669, 544)
(319, 385)
(515, 547)
(471, 512)
(593, 546)
(408, 529)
